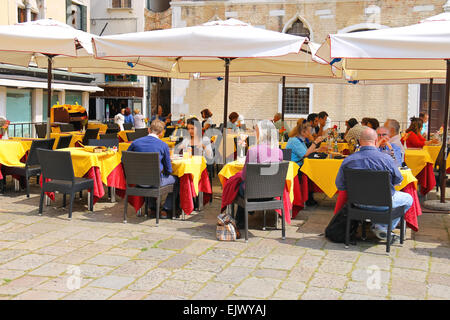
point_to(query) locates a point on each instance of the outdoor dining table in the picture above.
(122, 135)
(13, 153)
(323, 173)
(421, 164)
(102, 127)
(193, 178)
(433, 151)
(77, 137)
(294, 195)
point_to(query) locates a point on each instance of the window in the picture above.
(74, 97)
(22, 15)
(297, 101)
(117, 4)
(121, 77)
(18, 110)
(298, 29)
(76, 15)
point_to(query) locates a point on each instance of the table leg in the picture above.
(47, 200)
(113, 194)
(139, 213)
(200, 201)
(16, 185)
(89, 199)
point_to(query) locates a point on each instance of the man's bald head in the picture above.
(368, 137)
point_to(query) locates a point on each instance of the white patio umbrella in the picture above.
(220, 47)
(420, 47)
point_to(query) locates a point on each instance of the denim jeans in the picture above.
(166, 180)
(398, 199)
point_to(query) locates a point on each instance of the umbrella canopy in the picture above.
(415, 49)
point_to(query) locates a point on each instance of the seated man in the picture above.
(354, 130)
(153, 143)
(385, 146)
(278, 123)
(394, 133)
(370, 158)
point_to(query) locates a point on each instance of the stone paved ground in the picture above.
(96, 256)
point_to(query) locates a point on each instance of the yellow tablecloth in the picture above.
(26, 142)
(76, 136)
(101, 126)
(231, 168)
(83, 161)
(123, 135)
(194, 166)
(171, 144)
(283, 145)
(323, 173)
(434, 152)
(416, 160)
(341, 146)
(123, 146)
(11, 152)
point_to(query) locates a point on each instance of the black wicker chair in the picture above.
(287, 154)
(131, 136)
(104, 142)
(108, 136)
(142, 168)
(64, 142)
(127, 126)
(57, 166)
(41, 130)
(263, 181)
(32, 167)
(375, 193)
(90, 134)
(66, 127)
(143, 132)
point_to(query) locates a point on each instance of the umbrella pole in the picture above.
(225, 108)
(442, 165)
(49, 93)
(283, 97)
(430, 98)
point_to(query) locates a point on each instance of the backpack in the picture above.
(226, 228)
(335, 231)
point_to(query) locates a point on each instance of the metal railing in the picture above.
(23, 129)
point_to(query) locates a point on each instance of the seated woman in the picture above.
(413, 137)
(207, 122)
(198, 144)
(300, 150)
(232, 124)
(128, 116)
(266, 150)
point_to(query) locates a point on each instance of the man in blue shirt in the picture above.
(153, 143)
(369, 157)
(385, 146)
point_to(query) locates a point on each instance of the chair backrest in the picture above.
(112, 131)
(41, 130)
(56, 165)
(108, 136)
(168, 132)
(47, 144)
(265, 180)
(368, 187)
(113, 126)
(104, 142)
(64, 142)
(128, 126)
(141, 168)
(221, 127)
(90, 134)
(66, 127)
(143, 132)
(131, 136)
(287, 154)
(244, 127)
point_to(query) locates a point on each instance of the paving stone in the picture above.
(301, 274)
(150, 280)
(310, 261)
(297, 287)
(233, 275)
(10, 254)
(245, 262)
(258, 288)
(178, 288)
(129, 295)
(400, 297)
(219, 255)
(174, 244)
(55, 250)
(408, 288)
(437, 267)
(214, 291)
(63, 284)
(199, 246)
(95, 248)
(231, 245)
(382, 262)
(156, 254)
(16, 236)
(335, 267)
(90, 293)
(327, 280)
(370, 289)
(364, 274)
(177, 261)
(9, 275)
(137, 244)
(354, 296)
(90, 235)
(401, 273)
(127, 252)
(165, 296)
(75, 257)
(114, 241)
(273, 261)
(257, 251)
(349, 256)
(107, 260)
(434, 278)
(135, 268)
(411, 264)
(39, 295)
(21, 284)
(286, 295)
(93, 271)
(206, 265)
(28, 262)
(270, 273)
(112, 282)
(439, 291)
(314, 293)
(193, 275)
(50, 269)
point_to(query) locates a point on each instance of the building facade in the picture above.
(315, 19)
(120, 91)
(23, 94)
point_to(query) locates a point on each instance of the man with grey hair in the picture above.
(394, 133)
(153, 143)
(370, 158)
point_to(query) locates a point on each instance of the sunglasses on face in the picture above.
(382, 134)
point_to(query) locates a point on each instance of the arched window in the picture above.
(298, 29)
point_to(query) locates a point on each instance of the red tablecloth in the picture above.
(426, 179)
(410, 216)
(187, 193)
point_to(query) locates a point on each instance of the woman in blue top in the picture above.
(129, 117)
(300, 151)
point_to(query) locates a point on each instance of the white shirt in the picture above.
(327, 124)
(119, 119)
(139, 121)
(186, 143)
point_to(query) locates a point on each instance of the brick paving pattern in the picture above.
(96, 256)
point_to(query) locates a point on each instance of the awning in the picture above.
(43, 85)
